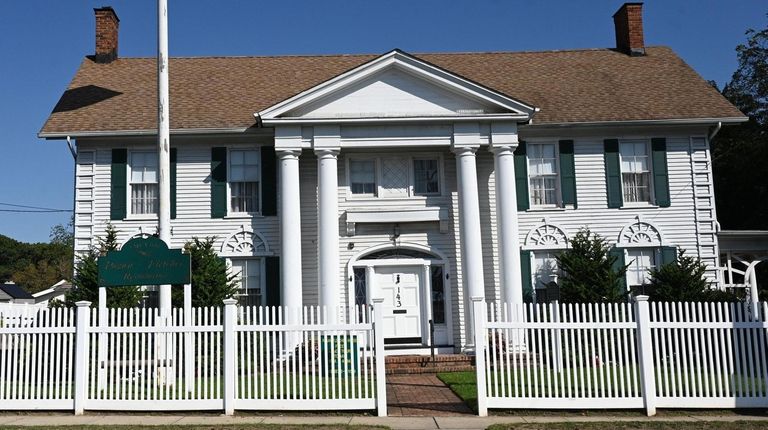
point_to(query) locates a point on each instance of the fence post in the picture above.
(645, 354)
(378, 335)
(189, 352)
(81, 355)
(555, 306)
(479, 314)
(229, 356)
(101, 349)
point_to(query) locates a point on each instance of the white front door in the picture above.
(400, 287)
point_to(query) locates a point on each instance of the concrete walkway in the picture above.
(463, 422)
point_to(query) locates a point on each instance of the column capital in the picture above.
(503, 149)
(461, 150)
(288, 153)
(327, 152)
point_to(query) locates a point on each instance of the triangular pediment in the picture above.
(395, 85)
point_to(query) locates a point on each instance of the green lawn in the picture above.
(463, 384)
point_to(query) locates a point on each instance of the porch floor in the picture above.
(422, 395)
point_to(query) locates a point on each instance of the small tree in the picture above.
(85, 283)
(211, 282)
(683, 281)
(589, 270)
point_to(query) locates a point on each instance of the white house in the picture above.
(425, 179)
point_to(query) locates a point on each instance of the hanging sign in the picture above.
(144, 261)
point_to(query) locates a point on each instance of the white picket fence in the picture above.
(641, 355)
(205, 359)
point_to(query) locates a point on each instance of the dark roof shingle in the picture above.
(224, 92)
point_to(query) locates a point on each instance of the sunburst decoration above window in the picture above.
(547, 235)
(640, 233)
(244, 242)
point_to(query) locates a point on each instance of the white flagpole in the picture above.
(163, 141)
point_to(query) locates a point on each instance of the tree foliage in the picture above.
(740, 152)
(211, 281)
(85, 282)
(590, 274)
(683, 281)
(37, 266)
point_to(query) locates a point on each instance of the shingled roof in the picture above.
(223, 92)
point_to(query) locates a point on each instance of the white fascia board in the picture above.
(674, 121)
(402, 215)
(408, 63)
(399, 119)
(150, 132)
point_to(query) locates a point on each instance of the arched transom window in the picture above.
(640, 233)
(244, 242)
(548, 236)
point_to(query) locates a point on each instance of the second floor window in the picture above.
(426, 177)
(635, 171)
(362, 177)
(143, 183)
(542, 174)
(244, 174)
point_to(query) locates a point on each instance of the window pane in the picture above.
(144, 199)
(542, 173)
(545, 274)
(247, 274)
(438, 295)
(640, 262)
(426, 179)
(362, 176)
(244, 196)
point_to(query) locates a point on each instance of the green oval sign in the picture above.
(144, 261)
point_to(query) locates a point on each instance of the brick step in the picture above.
(410, 364)
(430, 369)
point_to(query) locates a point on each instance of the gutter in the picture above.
(145, 132)
(680, 121)
(715, 131)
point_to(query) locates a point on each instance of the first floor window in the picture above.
(362, 177)
(542, 173)
(635, 171)
(244, 174)
(438, 295)
(426, 178)
(640, 261)
(248, 275)
(545, 274)
(143, 183)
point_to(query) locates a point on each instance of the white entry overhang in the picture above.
(396, 87)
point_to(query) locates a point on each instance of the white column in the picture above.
(507, 224)
(469, 222)
(290, 230)
(328, 230)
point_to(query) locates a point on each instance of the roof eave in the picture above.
(671, 121)
(145, 132)
(391, 120)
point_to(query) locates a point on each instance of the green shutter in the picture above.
(119, 184)
(668, 254)
(567, 173)
(521, 177)
(268, 181)
(525, 274)
(218, 182)
(173, 182)
(619, 264)
(613, 173)
(272, 279)
(660, 173)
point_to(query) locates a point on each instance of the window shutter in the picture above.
(268, 181)
(218, 182)
(619, 264)
(668, 254)
(521, 177)
(525, 274)
(119, 184)
(660, 173)
(613, 173)
(272, 278)
(567, 173)
(173, 182)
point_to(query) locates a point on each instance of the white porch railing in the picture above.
(210, 358)
(645, 355)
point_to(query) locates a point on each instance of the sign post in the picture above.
(148, 261)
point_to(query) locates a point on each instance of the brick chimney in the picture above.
(107, 25)
(628, 21)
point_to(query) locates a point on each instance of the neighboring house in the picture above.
(13, 293)
(55, 293)
(426, 179)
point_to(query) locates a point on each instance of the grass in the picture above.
(645, 425)
(464, 384)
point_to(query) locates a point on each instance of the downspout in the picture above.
(715, 131)
(74, 204)
(71, 148)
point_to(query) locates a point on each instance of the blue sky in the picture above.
(43, 42)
